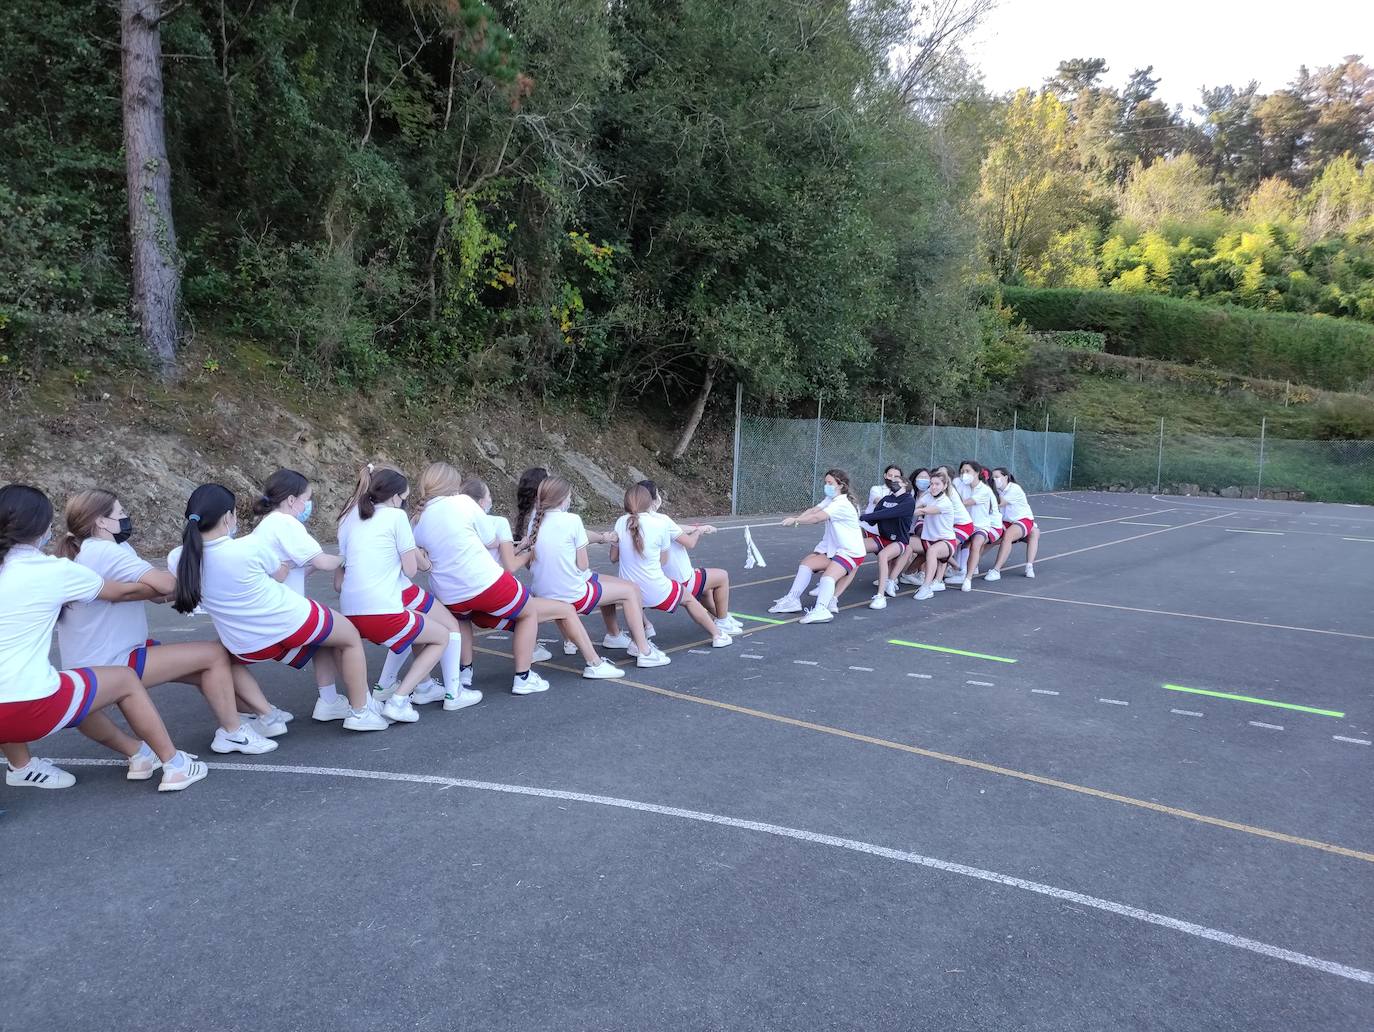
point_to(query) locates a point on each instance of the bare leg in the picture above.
(698, 613)
(614, 590)
(1033, 544)
(204, 664)
(349, 658)
(248, 692)
(120, 686)
(98, 727)
(1010, 538)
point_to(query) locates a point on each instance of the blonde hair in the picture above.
(637, 500)
(81, 512)
(439, 480)
(553, 491)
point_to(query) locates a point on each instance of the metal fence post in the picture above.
(977, 431)
(1073, 443)
(816, 462)
(1045, 462)
(1012, 461)
(1159, 466)
(1259, 484)
(734, 476)
(882, 409)
(932, 433)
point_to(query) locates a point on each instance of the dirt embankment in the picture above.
(152, 445)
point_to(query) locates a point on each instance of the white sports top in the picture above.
(842, 533)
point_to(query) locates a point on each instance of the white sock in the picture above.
(451, 663)
(391, 667)
(328, 692)
(144, 753)
(177, 762)
(799, 582)
(826, 593)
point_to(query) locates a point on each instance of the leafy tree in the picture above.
(1176, 190)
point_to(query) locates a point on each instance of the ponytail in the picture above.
(526, 493)
(205, 508)
(25, 513)
(439, 480)
(637, 501)
(80, 513)
(553, 492)
(281, 485)
(375, 484)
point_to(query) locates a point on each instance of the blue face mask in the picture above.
(922, 483)
(304, 514)
(831, 490)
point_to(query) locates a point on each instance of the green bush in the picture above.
(1331, 353)
(1073, 340)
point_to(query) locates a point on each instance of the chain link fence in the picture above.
(780, 464)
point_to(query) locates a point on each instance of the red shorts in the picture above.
(397, 631)
(1025, 523)
(37, 718)
(848, 563)
(697, 585)
(883, 542)
(138, 658)
(991, 535)
(591, 597)
(962, 532)
(675, 593)
(417, 599)
(953, 544)
(495, 608)
(300, 648)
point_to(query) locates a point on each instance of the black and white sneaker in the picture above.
(38, 773)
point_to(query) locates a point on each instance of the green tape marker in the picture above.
(760, 619)
(952, 652)
(1258, 702)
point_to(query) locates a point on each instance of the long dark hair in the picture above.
(637, 501)
(375, 484)
(281, 485)
(25, 513)
(526, 493)
(205, 508)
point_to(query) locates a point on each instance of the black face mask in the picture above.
(126, 530)
(893, 485)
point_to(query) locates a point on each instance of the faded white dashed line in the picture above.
(980, 684)
(1115, 702)
(1043, 691)
(1237, 530)
(699, 652)
(862, 669)
(925, 676)
(1260, 723)
(805, 662)
(1352, 741)
(749, 655)
(1186, 712)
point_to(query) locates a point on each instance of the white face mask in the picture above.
(968, 478)
(1001, 482)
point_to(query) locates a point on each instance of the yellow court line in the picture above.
(1008, 772)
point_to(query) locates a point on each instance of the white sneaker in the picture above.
(891, 589)
(38, 773)
(730, 625)
(925, 593)
(913, 579)
(426, 692)
(967, 585)
(335, 709)
(285, 716)
(611, 641)
(650, 631)
(381, 694)
(656, 657)
(569, 649)
(466, 697)
(400, 709)
(465, 678)
(245, 740)
(817, 614)
(1030, 570)
(266, 724)
(939, 585)
(142, 766)
(954, 580)
(605, 671)
(375, 705)
(540, 654)
(530, 684)
(992, 575)
(368, 720)
(879, 601)
(815, 591)
(722, 641)
(834, 606)
(786, 604)
(191, 772)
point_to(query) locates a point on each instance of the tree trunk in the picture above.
(152, 237)
(698, 410)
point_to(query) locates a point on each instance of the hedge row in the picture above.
(1336, 354)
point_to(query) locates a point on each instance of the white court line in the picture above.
(1186, 712)
(1260, 723)
(1115, 702)
(1184, 503)
(816, 838)
(1237, 530)
(1043, 691)
(699, 652)
(1352, 741)
(1358, 539)
(749, 655)
(1054, 517)
(1118, 519)
(862, 669)
(981, 684)
(805, 662)
(926, 676)
(1137, 523)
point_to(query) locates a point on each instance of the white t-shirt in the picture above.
(981, 504)
(553, 570)
(646, 571)
(33, 589)
(958, 510)
(373, 579)
(100, 633)
(290, 543)
(493, 530)
(938, 527)
(461, 566)
(875, 493)
(679, 564)
(842, 533)
(1014, 504)
(249, 609)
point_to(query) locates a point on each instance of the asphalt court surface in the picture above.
(814, 828)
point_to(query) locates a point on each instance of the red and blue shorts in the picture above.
(953, 544)
(1025, 523)
(138, 658)
(397, 631)
(847, 563)
(591, 596)
(697, 584)
(417, 599)
(674, 597)
(496, 607)
(883, 542)
(33, 719)
(299, 648)
(962, 532)
(991, 535)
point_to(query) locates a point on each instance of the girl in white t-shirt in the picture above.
(710, 584)
(475, 587)
(286, 505)
(35, 698)
(1017, 520)
(257, 617)
(838, 555)
(915, 560)
(642, 543)
(380, 557)
(984, 510)
(108, 633)
(936, 509)
(560, 570)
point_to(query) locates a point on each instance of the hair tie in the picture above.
(369, 467)
(193, 518)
